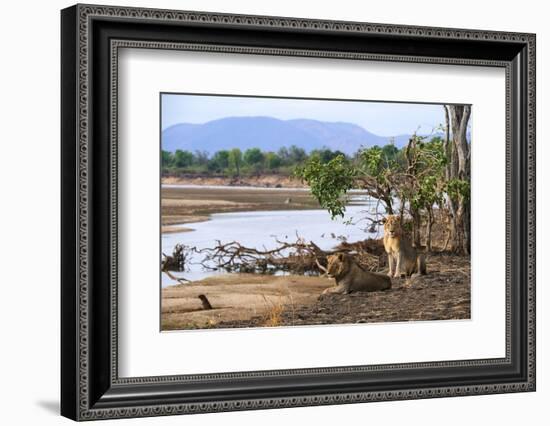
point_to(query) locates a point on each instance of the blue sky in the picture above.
(381, 118)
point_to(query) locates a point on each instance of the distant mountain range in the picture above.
(270, 134)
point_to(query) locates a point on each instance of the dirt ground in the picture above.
(252, 300)
(440, 295)
(236, 297)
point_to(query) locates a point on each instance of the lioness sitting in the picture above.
(351, 277)
(403, 258)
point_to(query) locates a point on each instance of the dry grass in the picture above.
(275, 308)
(274, 316)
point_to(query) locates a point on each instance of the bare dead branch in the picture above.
(299, 257)
(181, 280)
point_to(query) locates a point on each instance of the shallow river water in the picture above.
(260, 229)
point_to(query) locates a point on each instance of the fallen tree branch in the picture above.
(299, 257)
(181, 280)
(322, 268)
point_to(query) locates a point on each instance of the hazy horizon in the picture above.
(378, 117)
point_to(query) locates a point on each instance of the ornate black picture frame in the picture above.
(91, 37)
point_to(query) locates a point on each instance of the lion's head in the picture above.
(338, 265)
(392, 226)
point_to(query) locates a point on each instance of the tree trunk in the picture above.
(460, 115)
(458, 167)
(447, 144)
(429, 230)
(388, 201)
(416, 227)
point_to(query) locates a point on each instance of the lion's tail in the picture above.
(421, 264)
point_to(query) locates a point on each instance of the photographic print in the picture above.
(279, 212)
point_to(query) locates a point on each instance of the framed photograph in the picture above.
(263, 212)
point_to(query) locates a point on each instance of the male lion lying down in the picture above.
(351, 277)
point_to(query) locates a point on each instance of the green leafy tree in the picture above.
(425, 183)
(284, 155)
(413, 176)
(235, 160)
(183, 159)
(325, 154)
(390, 152)
(292, 155)
(254, 158)
(329, 182)
(377, 173)
(297, 155)
(201, 158)
(167, 159)
(220, 161)
(272, 161)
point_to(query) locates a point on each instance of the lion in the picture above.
(403, 258)
(351, 277)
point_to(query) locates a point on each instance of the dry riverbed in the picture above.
(180, 205)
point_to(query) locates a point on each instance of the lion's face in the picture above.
(337, 265)
(392, 226)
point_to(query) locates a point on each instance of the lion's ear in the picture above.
(340, 256)
(384, 220)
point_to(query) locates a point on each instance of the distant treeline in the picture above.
(235, 162)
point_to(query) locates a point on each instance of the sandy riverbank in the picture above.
(196, 204)
(236, 297)
(266, 181)
(253, 300)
